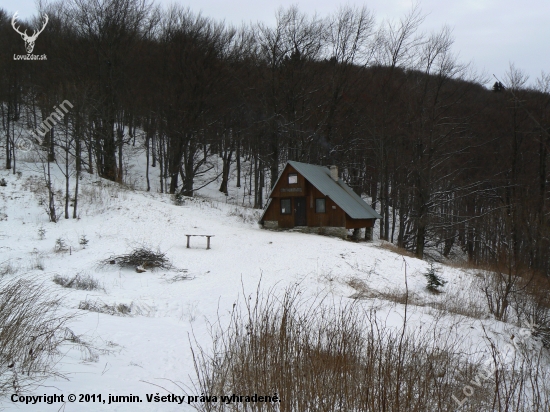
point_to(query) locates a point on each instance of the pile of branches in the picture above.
(141, 256)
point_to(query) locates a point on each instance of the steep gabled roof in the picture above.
(339, 192)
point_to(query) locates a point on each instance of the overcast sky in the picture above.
(489, 33)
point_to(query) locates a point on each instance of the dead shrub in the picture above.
(36, 263)
(515, 291)
(31, 332)
(8, 268)
(532, 306)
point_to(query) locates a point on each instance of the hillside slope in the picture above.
(149, 348)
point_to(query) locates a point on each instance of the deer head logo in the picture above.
(29, 40)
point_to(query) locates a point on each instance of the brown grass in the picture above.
(321, 356)
(451, 303)
(79, 281)
(400, 251)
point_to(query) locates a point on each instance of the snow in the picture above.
(149, 352)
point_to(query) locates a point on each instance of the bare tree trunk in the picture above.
(51, 200)
(226, 167)
(238, 155)
(386, 201)
(75, 204)
(174, 161)
(67, 176)
(262, 185)
(77, 148)
(8, 140)
(420, 239)
(147, 142)
(51, 146)
(90, 158)
(14, 166)
(120, 141)
(256, 183)
(382, 210)
(393, 212)
(161, 165)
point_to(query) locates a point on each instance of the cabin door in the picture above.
(300, 211)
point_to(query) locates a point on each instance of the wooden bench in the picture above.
(207, 240)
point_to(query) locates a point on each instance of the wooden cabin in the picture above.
(314, 199)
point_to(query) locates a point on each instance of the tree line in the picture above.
(449, 163)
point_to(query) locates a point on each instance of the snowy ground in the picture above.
(133, 354)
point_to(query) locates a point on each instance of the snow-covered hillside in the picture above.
(149, 349)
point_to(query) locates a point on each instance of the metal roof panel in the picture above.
(339, 192)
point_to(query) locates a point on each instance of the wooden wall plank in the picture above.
(334, 216)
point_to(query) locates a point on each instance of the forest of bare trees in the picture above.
(449, 162)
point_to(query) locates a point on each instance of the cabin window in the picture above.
(320, 206)
(286, 205)
(292, 178)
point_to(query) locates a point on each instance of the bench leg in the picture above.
(188, 241)
(207, 242)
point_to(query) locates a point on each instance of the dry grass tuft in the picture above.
(392, 295)
(79, 281)
(246, 215)
(98, 306)
(8, 268)
(31, 332)
(115, 309)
